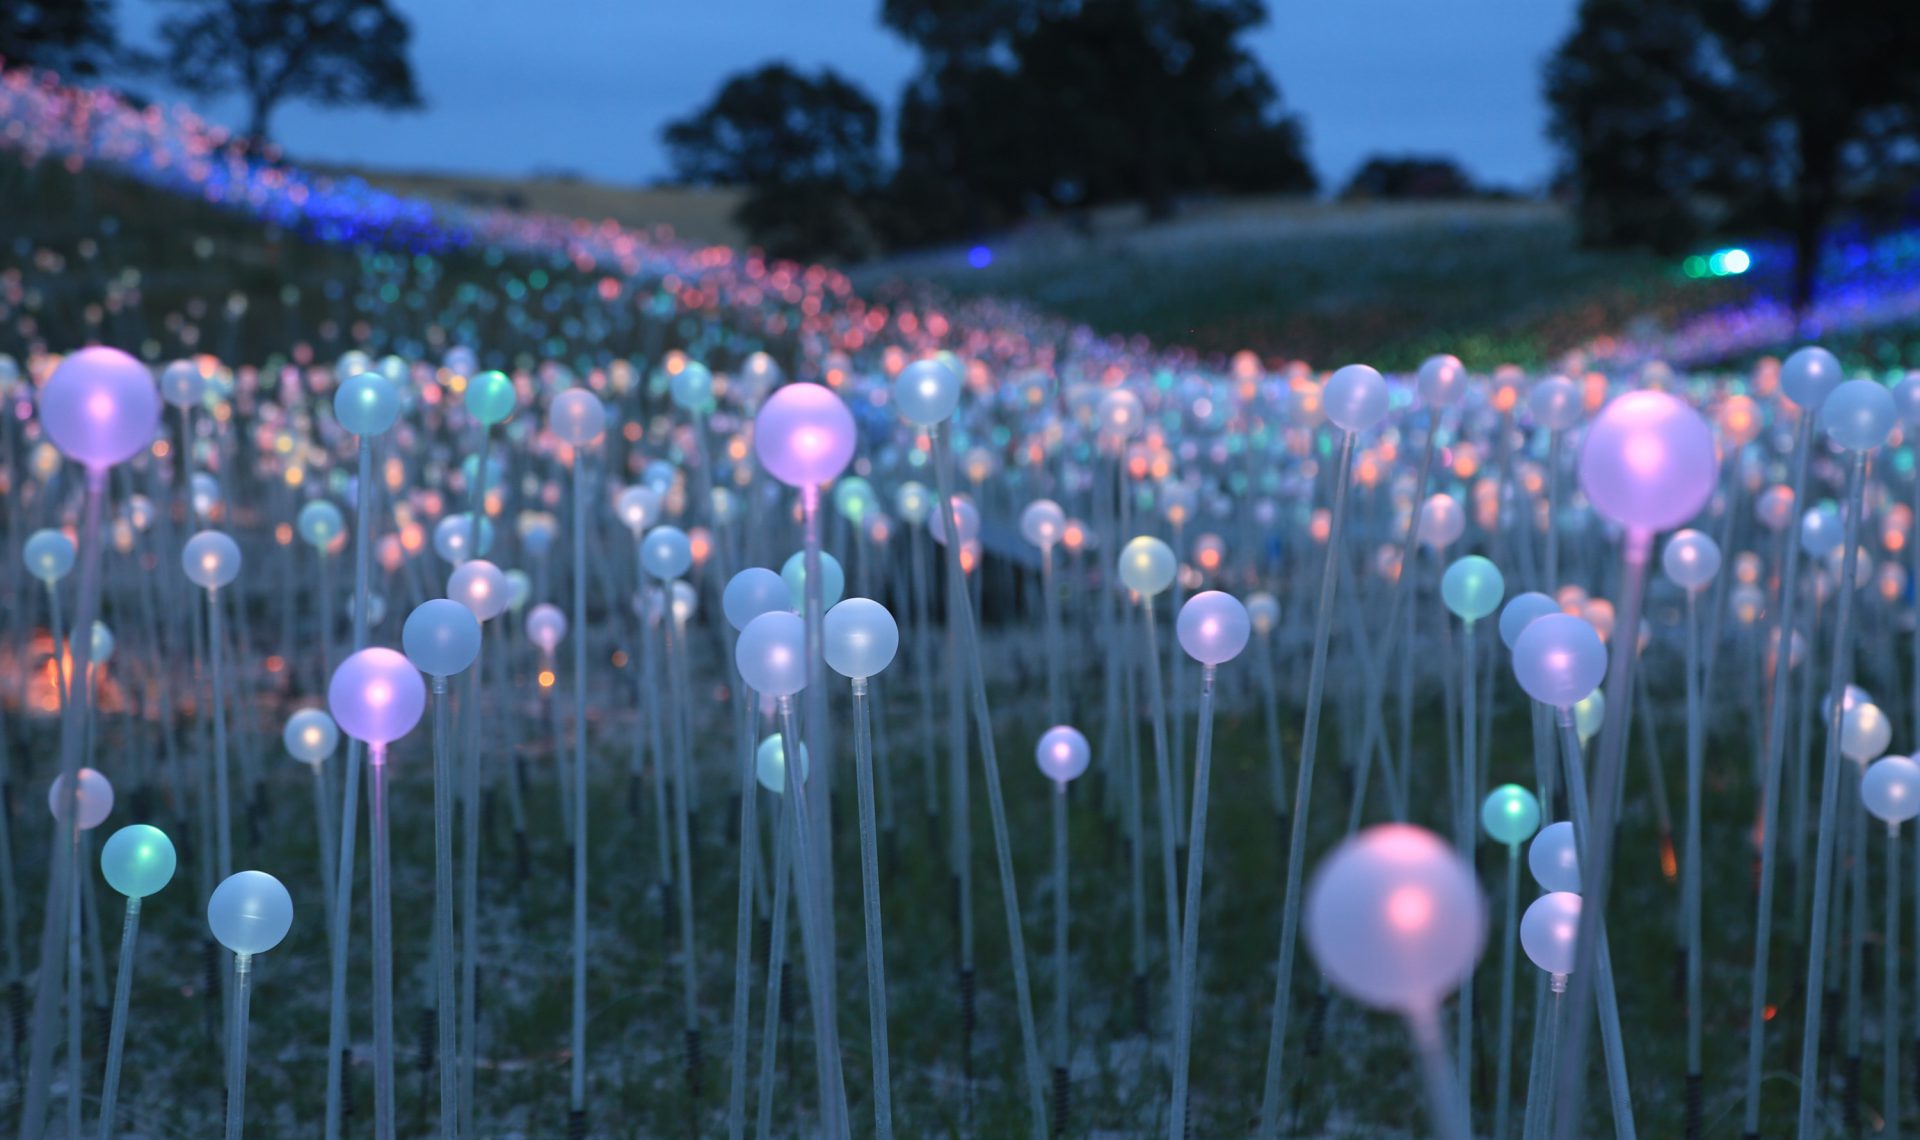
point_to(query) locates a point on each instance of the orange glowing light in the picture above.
(276, 663)
(546, 678)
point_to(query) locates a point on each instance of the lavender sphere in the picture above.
(1395, 919)
(1865, 733)
(478, 585)
(546, 627)
(1691, 559)
(772, 654)
(859, 638)
(1355, 398)
(211, 559)
(1648, 463)
(250, 912)
(1891, 789)
(376, 696)
(1858, 415)
(804, 435)
(1213, 627)
(182, 385)
(638, 507)
(966, 520)
(1559, 659)
(1549, 931)
(96, 798)
(1042, 523)
(441, 637)
(1062, 753)
(100, 407)
(1441, 522)
(752, 592)
(1521, 611)
(1553, 858)
(1442, 380)
(453, 537)
(1821, 530)
(367, 404)
(1809, 375)
(577, 417)
(1555, 403)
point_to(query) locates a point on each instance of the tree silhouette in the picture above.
(74, 37)
(331, 52)
(1682, 117)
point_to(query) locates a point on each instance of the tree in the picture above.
(331, 52)
(74, 37)
(806, 148)
(1681, 117)
(1409, 176)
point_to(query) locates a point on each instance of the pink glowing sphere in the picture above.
(100, 407)
(804, 435)
(377, 696)
(1062, 754)
(1648, 463)
(1559, 659)
(1213, 627)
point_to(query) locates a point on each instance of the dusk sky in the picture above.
(515, 86)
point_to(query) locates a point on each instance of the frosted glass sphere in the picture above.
(211, 559)
(1555, 403)
(1821, 530)
(367, 404)
(1858, 415)
(100, 407)
(48, 554)
(1394, 918)
(859, 637)
(1442, 380)
(138, 860)
(478, 585)
(1263, 609)
(441, 637)
(1042, 523)
(927, 391)
(319, 523)
(1851, 697)
(310, 736)
(1147, 565)
(376, 696)
(100, 645)
(1062, 753)
(638, 508)
(546, 627)
(490, 397)
(182, 385)
(771, 654)
(1213, 627)
(1511, 814)
(250, 912)
(804, 435)
(376, 607)
(666, 552)
(1472, 588)
(96, 798)
(833, 580)
(1441, 522)
(519, 589)
(853, 497)
(537, 532)
(1550, 931)
(1809, 375)
(691, 388)
(205, 494)
(752, 592)
(576, 417)
(1521, 611)
(686, 601)
(1865, 733)
(1690, 559)
(1355, 397)
(1119, 414)
(1589, 714)
(1906, 399)
(770, 764)
(1891, 789)
(914, 502)
(1554, 859)
(1648, 462)
(453, 537)
(1559, 659)
(660, 476)
(966, 519)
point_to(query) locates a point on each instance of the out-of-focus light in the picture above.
(980, 257)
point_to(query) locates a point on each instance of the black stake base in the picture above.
(1061, 1091)
(577, 1124)
(694, 1061)
(1696, 1120)
(1850, 1104)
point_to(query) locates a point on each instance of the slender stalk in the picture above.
(776, 963)
(870, 894)
(1163, 782)
(1509, 939)
(383, 1108)
(323, 827)
(743, 940)
(117, 1029)
(447, 1022)
(1062, 896)
(832, 1097)
(577, 1092)
(1190, 923)
(237, 1046)
(1690, 869)
(1437, 1071)
(683, 851)
(1468, 802)
(1547, 1031)
(469, 1036)
(1890, 993)
(76, 994)
(216, 653)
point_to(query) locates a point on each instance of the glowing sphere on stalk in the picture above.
(376, 696)
(519, 590)
(1906, 399)
(1442, 380)
(453, 537)
(1555, 403)
(1821, 531)
(310, 736)
(546, 627)
(966, 520)
(250, 912)
(1809, 375)
(1120, 415)
(577, 417)
(441, 637)
(914, 502)
(1355, 398)
(927, 391)
(859, 638)
(138, 860)
(1858, 415)
(1865, 733)
(478, 585)
(211, 559)
(1263, 610)
(752, 592)
(490, 397)
(1472, 588)
(1394, 918)
(1648, 462)
(691, 388)
(100, 645)
(1891, 789)
(638, 508)
(666, 553)
(686, 601)
(537, 532)
(1522, 611)
(1213, 627)
(1441, 522)
(1554, 859)
(1690, 559)
(771, 654)
(1063, 754)
(367, 404)
(833, 580)
(1550, 930)
(770, 764)
(1511, 814)
(1147, 565)
(204, 494)
(1559, 659)
(319, 523)
(48, 554)
(1042, 523)
(100, 407)
(1588, 715)
(853, 497)
(182, 385)
(804, 435)
(95, 796)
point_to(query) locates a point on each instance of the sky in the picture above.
(584, 86)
